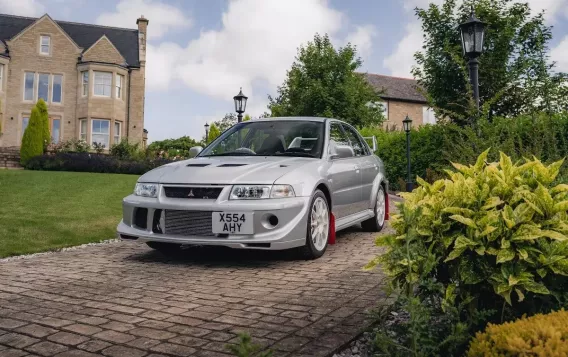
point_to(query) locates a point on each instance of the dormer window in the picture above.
(45, 45)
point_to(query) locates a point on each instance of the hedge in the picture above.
(539, 335)
(434, 147)
(88, 162)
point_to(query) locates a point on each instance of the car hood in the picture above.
(225, 170)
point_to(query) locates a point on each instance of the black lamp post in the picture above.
(206, 132)
(240, 104)
(407, 125)
(472, 36)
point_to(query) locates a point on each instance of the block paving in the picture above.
(125, 300)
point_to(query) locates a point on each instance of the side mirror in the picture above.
(338, 151)
(194, 151)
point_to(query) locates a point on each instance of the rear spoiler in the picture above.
(373, 140)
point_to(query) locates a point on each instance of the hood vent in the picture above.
(197, 165)
(232, 165)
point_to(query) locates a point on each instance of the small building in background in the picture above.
(401, 97)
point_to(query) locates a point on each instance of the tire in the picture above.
(377, 222)
(319, 209)
(166, 248)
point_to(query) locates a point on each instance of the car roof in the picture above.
(315, 119)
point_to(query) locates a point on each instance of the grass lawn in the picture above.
(47, 210)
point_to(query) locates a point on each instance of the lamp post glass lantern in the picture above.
(240, 104)
(472, 37)
(206, 132)
(407, 126)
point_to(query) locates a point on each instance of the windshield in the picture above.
(270, 138)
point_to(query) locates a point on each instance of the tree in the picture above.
(213, 132)
(44, 119)
(228, 121)
(247, 117)
(32, 142)
(173, 147)
(515, 74)
(323, 83)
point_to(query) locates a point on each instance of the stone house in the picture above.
(91, 77)
(401, 97)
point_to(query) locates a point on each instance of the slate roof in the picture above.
(396, 88)
(85, 35)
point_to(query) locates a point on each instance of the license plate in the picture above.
(233, 223)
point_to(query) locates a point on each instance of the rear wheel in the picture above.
(164, 247)
(377, 223)
(317, 234)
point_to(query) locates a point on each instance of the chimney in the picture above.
(142, 23)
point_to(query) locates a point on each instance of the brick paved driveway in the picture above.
(125, 300)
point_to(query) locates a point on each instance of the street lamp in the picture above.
(240, 104)
(407, 125)
(472, 36)
(206, 132)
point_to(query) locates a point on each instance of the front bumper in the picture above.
(290, 232)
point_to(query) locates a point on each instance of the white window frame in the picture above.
(93, 132)
(33, 87)
(41, 52)
(81, 133)
(117, 136)
(102, 84)
(24, 116)
(85, 83)
(53, 85)
(428, 115)
(119, 86)
(1, 76)
(48, 85)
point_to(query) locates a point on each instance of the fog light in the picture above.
(273, 220)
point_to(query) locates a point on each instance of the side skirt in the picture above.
(353, 219)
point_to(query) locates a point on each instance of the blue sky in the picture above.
(201, 51)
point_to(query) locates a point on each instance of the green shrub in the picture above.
(127, 151)
(539, 335)
(44, 119)
(99, 147)
(493, 234)
(32, 141)
(246, 348)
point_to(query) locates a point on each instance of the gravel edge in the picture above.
(76, 247)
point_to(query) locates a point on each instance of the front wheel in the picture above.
(318, 227)
(377, 223)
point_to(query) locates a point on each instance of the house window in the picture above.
(117, 133)
(45, 45)
(43, 86)
(119, 84)
(428, 116)
(103, 84)
(83, 130)
(56, 88)
(85, 76)
(29, 86)
(25, 122)
(1, 76)
(55, 130)
(100, 132)
(385, 106)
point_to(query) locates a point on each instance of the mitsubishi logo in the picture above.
(190, 194)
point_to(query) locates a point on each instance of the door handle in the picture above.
(357, 171)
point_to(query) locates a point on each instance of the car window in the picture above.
(337, 134)
(359, 147)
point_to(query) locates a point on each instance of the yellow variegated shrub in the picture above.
(539, 336)
(490, 232)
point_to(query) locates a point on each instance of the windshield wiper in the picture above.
(300, 154)
(232, 153)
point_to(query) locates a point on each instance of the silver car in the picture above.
(274, 184)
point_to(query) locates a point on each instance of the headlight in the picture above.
(146, 190)
(258, 192)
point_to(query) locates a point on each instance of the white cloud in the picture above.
(558, 54)
(22, 7)
(401, 61)
(163, 17)
(363, 37)
(251, 47)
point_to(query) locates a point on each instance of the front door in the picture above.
(367, 164)
(345, 177)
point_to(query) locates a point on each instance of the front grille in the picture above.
(189, 223)
(210, 193)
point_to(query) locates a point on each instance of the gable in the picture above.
(45, 22)
(84, 35)
(103, 51)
